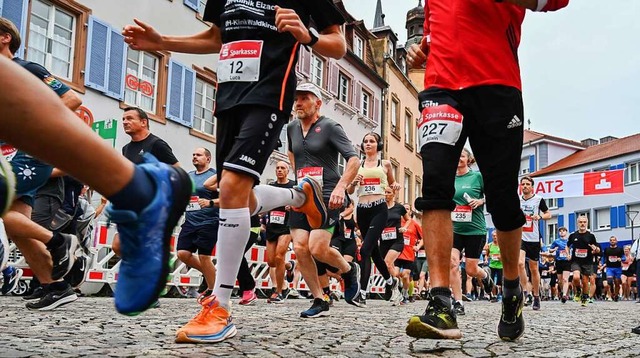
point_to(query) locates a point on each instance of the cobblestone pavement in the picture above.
(91, 327)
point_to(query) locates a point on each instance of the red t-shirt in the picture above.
(475, 42)
(411, 237)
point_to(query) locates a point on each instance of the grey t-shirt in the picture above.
(317, 153)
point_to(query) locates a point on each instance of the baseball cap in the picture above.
(311, 88)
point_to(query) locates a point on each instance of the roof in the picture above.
(533, 136)
(595, 153)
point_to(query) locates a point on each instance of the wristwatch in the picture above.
(211, 203)
(313, 33)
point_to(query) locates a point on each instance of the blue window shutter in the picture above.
(622, 216)
(193, 4)
(174, 93)
(117, 65)
(189, 94)
(620, 166)
(560, 221)
(572, 222)
(543, 230)
(612, 167)
(16, 11)
(614, 217)
(532, 163)
(560, 202)
(97, 52)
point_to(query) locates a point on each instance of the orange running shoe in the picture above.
(211, 325)
(313, 207)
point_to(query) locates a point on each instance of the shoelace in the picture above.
(204, 295)
(208, 304)
(507, 309)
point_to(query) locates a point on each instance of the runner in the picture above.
(563, 266)
(392, 240)
(278, 236)
(374, 176)
(627, 272)
(535, 209)
(258, 44)
(495, 265)
(472, 90)
(612, 258)
(582, 246)
(469, 228)
(405, 263)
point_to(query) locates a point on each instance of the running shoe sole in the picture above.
(56, 304)
(317, 315)
(7, 185)
(417, 329)
(228, 332)
(318, 203)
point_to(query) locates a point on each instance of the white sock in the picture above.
(269, 197)
(233, 235)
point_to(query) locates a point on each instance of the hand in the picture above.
(535, 217)
(142, 36)
(395, 186)
(593, 247)
(287, 208)
(402, 230)
(475, 203)
(204, 203)
(337, 199)
(415, 56)
(357, 180)
(288, 21)
(416, 248)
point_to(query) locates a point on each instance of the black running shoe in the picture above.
(511, 324)
(359, 301)
(319, 308)
(389, 289)
(37, 294)
(488, 281)
(459, 308)
(63, 256)
(636, 330)
(53, 299)
(351, 283)
(529, 300)
(438, 322)
(536, 303)
(78, 272)
(290, 272)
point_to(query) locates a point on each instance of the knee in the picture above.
(301, 248)
(115, 245)
(184, 255)
(455, 264)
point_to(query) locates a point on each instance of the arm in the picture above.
(142, 36)
(331, 42)
(390, 179)
(211, 183)
(540, 5)
(348, 211)
(350, 171)
(292, 160)
(71, 100)
(407, 221)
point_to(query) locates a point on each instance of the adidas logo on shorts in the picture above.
(515, 122)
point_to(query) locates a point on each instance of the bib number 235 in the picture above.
(440, 124)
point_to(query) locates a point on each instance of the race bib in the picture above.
(440, 124)
(8, 151)
(528, 226)
(312, 172)
(239, 61)
(625, 267)
(407, 242)
(581, 253)
(277, 217)
(495, 257)
(370, 186)
(389, 233)
(193, 204)
(562, 254)
(545, 273)
(614, 259)
(422, 253)
(347, 233)
(462, 214)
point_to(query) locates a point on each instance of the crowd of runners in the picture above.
(339, 224)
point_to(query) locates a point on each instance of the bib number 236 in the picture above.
(240, 61)
(440, 124)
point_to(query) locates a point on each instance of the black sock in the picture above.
(137, 194)
(58, 286)
(511, 287)
(55, 241)
(443, 293)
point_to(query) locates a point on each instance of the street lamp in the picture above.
(632, 214)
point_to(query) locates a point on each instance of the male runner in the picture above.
(258, 43)
(472, 90)
(613, 257)
(563, 266)
(582, 246)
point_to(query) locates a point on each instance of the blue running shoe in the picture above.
(145, 238)
(7, 185)
(351, 283)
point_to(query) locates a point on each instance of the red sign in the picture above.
(8, 151)
(146, 88)
(85, 114)
(241, 49)
(607, 182)
(132, 82)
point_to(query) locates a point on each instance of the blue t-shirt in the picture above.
(561, 254)
(202, 216)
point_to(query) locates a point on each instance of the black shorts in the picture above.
(387, 245)
(298, 220)
(492, 120)
(198, 238)
(404, 264)
(496, 275)
(245, 138)
(274, 232)
(344, 246)
(585, 269)
(472, 245)
(554, 280)
(531, 250)
(562, 266)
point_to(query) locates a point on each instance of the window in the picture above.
(394, 115)
(141, 80)
(418, 191)
(366, 104)
(407, 186)
(603, 219)
(552, 229)
(343, 87)
(51, 38)
(358, 47)
(341, 164)
(633, 216)
(552, 203)
(317, 70)
(633, 172)
(583, 213)
(408, 129)
(201, 6)
(203, 119)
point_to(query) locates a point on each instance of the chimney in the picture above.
(607, 139)
(589, 142)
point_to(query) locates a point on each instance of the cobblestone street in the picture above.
(91, 327)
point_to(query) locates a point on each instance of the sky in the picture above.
(580, 66)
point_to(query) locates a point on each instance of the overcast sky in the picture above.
(580, 66)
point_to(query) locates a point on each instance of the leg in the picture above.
(306, 264)
(456, 279)
(535, 278)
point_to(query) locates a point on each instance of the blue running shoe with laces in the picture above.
(145, 237)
